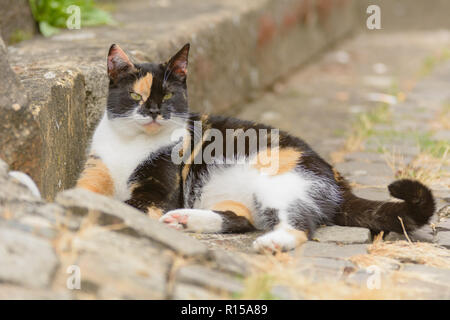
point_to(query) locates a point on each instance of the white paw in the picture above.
(277, 240)
(193, 220)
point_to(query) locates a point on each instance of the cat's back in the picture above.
(224, 123)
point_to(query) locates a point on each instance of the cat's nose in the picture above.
(153, 113)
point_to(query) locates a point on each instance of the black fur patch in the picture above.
(234, 223)
(156, 182)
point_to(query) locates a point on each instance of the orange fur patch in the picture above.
(337, 175)
(186, 145)
(236, 207)
(277, 161)
(204, 118)
(143, 86)
(133, 186)
(154, 212)
(96, 177)
(197, 149)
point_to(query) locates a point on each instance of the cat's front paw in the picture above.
(175, 220)
(193, 220)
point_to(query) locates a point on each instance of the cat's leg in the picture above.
(283, 237)
(147, 197)
(223, 217)
(96, 177)
(151, 209)
(154, 187)
(291, 230)
(193, 220)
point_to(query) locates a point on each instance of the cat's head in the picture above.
(147, 97)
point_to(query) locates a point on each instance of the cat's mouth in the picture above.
(152, 126)
(152, 123)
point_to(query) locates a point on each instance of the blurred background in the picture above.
(365, 83)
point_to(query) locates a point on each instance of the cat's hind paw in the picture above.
(279, 240)
(193, 220)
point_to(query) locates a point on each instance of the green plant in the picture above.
(52, 14)
(436, 148)
(364, 125)
(19, 35)
(257, 286)
(430, 62)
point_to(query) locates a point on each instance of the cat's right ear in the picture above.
(118, 62)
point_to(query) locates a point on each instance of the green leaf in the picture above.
(46, 29)
(52, 14)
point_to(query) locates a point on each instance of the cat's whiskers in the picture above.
(184, 115)
(197, 133)
(188, 125)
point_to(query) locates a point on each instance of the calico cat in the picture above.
(147, 121)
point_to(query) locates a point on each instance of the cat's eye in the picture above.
(135, 96)
(168, 96)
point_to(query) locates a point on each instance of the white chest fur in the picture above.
(122, 153)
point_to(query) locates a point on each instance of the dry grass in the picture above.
(283, 270)
(67, 252)
(424, 167)
(353, 143)
(362, 129)
(442, 119)
(178, 262)
(367, 260)
(384, 253)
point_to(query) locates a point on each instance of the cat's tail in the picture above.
(415, 210)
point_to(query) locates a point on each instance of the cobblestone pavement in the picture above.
(378, 108)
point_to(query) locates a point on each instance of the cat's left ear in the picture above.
(177, 65)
